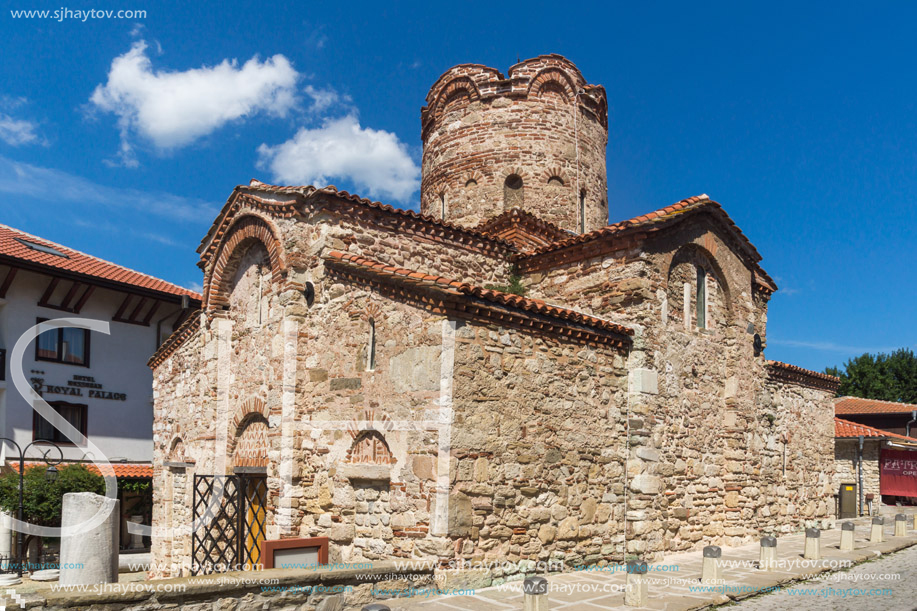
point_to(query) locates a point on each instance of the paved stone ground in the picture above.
(867, 586)
(674, 582)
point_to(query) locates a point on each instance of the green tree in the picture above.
(42, 498)
(886, 377)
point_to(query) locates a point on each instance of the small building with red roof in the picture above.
(889, 416)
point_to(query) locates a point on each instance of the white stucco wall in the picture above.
(120, 429)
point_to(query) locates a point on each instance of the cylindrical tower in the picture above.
(535, 140)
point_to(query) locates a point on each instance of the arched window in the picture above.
(512, 191)
(701, 298)
(371, 347)
(471, 182)
(556, 181)
(442, 206)
(582, 212)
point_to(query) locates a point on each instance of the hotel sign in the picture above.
(78, 386)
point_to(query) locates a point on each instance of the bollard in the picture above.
(376, 607)
(847, 536)
(875, 535)
(535, 590)
(915, 522)
(812, 549)
(636, 594)
(712, 572)
(768, 560)
(900, 525)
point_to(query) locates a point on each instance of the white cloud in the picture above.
(58, 188)
(16, 132)
(173, 109)
(375, 161)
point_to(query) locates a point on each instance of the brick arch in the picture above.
(250, 445)
(694, 252)
(370, 447)
(244, 231)
(456, 87)
(553, 79)
(251, 407)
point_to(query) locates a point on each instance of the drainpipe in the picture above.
(860, 473)
(907, 429)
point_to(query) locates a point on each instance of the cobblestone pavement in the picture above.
(889, 583)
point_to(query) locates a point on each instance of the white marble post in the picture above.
(90, 557)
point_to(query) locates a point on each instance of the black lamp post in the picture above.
(51, 474)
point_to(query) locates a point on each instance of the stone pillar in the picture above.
(768, 558)
(636, 592)
(847, 536)
(900, 525)
(95, 551)
(875, 534)
(535, 594)
(6, 535)
(712, 572)
(813, 539)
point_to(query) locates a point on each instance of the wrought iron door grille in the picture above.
(228, 535)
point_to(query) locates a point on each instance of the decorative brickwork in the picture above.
(241, 234)
(505, 132)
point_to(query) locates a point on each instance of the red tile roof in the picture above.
(806, 377)
(208, 244)
(12, 250)
(525, 230)
(535, 306)
(856, 405)
(126, 470)
(659, 217)
(846, 429)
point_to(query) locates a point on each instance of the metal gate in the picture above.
(229, 514)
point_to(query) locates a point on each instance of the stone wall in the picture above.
(539, 446)
(706, 427)
(323, 589)
(533, 140)
(316, 377)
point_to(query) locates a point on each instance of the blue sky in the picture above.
(122, 138)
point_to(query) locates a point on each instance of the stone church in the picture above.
(504, 377)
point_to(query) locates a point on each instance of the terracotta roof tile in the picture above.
(13, 249)
(847, 429)
(308, 190)
(189, 327)
(794, 373)
(856, 405)
(659, 217)
(536, 306)
(127, 470)
(524, 229)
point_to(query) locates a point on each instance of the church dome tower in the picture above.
(534, 140)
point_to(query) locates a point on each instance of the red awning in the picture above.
(898, 472)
